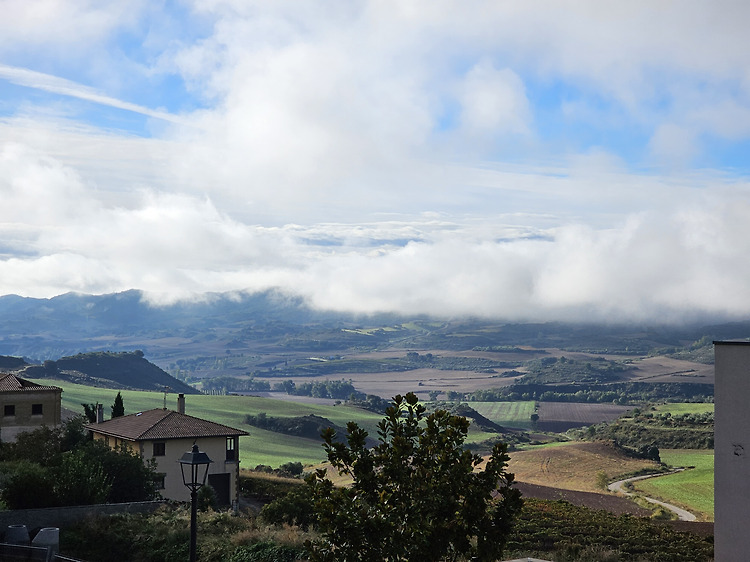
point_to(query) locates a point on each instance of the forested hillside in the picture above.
(126, 370)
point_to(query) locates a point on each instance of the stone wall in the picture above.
(64, 516)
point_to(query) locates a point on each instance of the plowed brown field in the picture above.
(573, 466)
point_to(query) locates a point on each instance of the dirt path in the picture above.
(681, 513)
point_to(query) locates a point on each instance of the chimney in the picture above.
(99, 413)
(181, 403)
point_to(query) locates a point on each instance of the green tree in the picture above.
(89, 410)
(416, 495)
(78, 481)
(118, 407)
(42, 446)
(26, 485)
(132, 480)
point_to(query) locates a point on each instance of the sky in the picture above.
(525, 161)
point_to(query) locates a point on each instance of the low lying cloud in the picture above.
(671, 266)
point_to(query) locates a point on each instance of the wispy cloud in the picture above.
(57, 85)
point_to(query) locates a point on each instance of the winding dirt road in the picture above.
(681, 513)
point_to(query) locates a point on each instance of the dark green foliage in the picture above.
(264, 488)
(340, 390)
(73, 433)
(294, 508)
(118, 407)
(685, 431)
(207, 498)
(25, 485)
(7, 362)
(132, 479)
(464, 410)
(291, 468)
(109, 369)
(80, 480)
(73, 470)
(415, 495)
(548, 370)
(236, 384)
(310, 426)
(41, 446)
(371, 402)
(139, 538)
(620, 392)
(89, 410)
(265, 552)
(545, 529)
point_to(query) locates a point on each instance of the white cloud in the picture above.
(494, 101)
(385, 156)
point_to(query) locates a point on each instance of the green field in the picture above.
(260, 447)
(679, 408)
(511, 414)
(692, 489)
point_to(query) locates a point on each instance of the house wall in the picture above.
(731, 450)
(214, 447)
(174, 489)
(22, 418)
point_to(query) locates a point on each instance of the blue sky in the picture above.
(527, 161)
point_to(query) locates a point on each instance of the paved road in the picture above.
(681, 513)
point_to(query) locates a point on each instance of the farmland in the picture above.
(692, 489)
(561, 416)
(507, 414)
(574, 465)
(260, 447)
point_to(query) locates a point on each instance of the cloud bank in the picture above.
(578, 162)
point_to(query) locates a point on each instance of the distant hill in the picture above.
(124, 370)
(272, 334)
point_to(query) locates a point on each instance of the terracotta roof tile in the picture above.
(162, 424)
(11, 383)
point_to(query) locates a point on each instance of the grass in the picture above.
(678, 408)
(260, 447)
(692, 489)
(511, 414)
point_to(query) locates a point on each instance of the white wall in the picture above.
(174, 488)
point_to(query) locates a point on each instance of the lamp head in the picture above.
(194, 467)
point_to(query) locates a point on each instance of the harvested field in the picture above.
(573, 466)
(423, 380)
(561, 416)
(667, 369)
(608, 502)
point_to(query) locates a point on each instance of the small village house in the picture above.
(165, 435)
(26, 406)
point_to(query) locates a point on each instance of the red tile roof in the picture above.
(162, 424)
(11, 383)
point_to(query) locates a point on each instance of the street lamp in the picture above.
(197, 462)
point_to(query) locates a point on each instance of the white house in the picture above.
(165, 435)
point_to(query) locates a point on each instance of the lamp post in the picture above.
(198, 463)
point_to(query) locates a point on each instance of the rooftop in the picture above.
(11, 383)
(162, 424)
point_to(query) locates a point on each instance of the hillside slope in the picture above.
(125, 370)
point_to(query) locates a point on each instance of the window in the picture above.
(231, 448)
(10, 410)
(160, 449)
(159, 478)
(37, 410)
